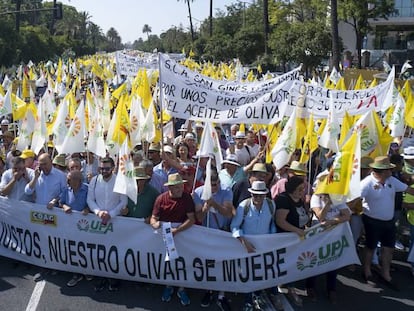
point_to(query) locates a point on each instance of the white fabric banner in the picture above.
(355, 102)
(189, 95)
(129, 65)
(127, 248)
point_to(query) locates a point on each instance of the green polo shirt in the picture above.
(145, 203)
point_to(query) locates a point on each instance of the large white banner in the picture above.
(316, 99)
(189, 95)
(129, 64)
(129, 249)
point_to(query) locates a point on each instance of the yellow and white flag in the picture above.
(125, 181)
(337, 182)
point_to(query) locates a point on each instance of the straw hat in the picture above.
(298, 168)
(139, 173)
(27, 153)
(366, 161)
(174, 179)
(60, 160)
(259, 167)
(240, 134)
(258, 187)
(382, 163)
(231, 159)
(154, 147)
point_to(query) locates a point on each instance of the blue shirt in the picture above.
(255, 222)
(76, 200)
(48, 187)
(227, 181)
(213, 218)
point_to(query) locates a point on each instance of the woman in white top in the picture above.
(328, 214)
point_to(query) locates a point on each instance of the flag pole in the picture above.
(161, 101)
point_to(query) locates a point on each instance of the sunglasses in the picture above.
(105, 168)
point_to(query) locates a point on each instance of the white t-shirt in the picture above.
(379, 200)
(334, 211)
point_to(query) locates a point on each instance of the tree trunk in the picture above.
(266, 23)
(335, 35)
(191, 20)
(18, 4)
(211, 19)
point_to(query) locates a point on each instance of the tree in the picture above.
(335, 34)
(357, 14)
(114, 40)
(147, 29)
(266, 23)
(210, 20)
(190, 18)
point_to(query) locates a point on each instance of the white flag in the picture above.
(96, 142)
(75, 137)
(369, 133)
(286, 143)
(329, 136)
(40, 130)
(26, 129)
(62, 123)
(207, 192)
(125, 182)
(355, 183)
(210, 144)
(148, 127)
(397, 121)
(136, 118)
(6, 103)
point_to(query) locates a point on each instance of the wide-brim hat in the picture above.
(258, 187)
(298, 168)
(60, 160)
(259, 167)
(240, 134)
(174, 179)
(408, 153)
(183, 128)
(154, 147)
(382, 163)
(231, 159)
(139, 173)
(366, 161)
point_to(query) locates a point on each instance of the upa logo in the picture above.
(325, 254)
(306, 260)
(95, 226)
(43, 218)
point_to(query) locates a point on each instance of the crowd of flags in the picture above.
(115, 115)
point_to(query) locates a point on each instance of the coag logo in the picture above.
(43, 218)
(306, 260)
(95, 226)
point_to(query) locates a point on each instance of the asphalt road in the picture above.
(19, 292)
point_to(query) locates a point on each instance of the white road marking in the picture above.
(36, 295)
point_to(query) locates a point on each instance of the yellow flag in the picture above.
(310, 143)
(360, 83)
(384, 138)
(144, 90)
(339, 177)
(273, 132)
(19, 107)
(347, 123)
(322, 126)
(300, 131)
(373, 83)
(409, 111)
(242, 128)
(122, 122)
(119, 91)
(341, 84)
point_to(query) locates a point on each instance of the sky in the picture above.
(128, 17)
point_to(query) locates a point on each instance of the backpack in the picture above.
(246, 207)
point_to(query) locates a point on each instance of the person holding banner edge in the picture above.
(176, 206)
